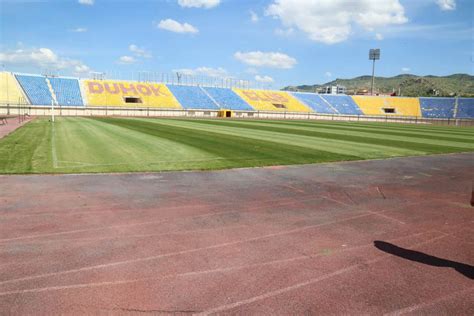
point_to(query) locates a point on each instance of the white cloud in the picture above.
(86, 2)
(126, 60)
(207, 4)
(331, 21)
(253, 16)
(79, 30)
(266, 79)
(378, 36)
(284, 32)
(446, 5)
(175, 26)
(139, 51)
(81, 69)
(205, 71)
(406, 69)
(458, 31)
(266, 59)
(42, 58)
(328, 74)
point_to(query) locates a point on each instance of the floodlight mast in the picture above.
(374, 54)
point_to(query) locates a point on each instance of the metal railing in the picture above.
(46, 110)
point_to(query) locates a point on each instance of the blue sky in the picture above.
(275, 42)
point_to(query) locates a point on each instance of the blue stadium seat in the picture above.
(67, 91)
(344, 104)
(465, 108)
(315, 102)
(228, 99)
(192, 97)
(437, 107)
(36, 89)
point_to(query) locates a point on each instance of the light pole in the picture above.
(374, 54)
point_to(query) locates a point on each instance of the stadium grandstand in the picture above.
(38, 91)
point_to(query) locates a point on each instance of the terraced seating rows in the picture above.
(371, 105)
(192, 97)
(437, 107)
(343, 104)
(263, 100)
(36, 89)
(465, 108)
(67, 91)
(228, 99)
(314, 101)
(128, 94)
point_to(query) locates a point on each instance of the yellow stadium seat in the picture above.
(396, 106)
(10, 91)
(262, 100)
(129, 94)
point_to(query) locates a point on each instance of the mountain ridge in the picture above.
(409, 85)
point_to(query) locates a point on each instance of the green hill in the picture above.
(408, 85)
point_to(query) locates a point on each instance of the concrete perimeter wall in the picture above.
(14, 110)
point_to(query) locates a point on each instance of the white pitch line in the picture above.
(53, 147)
(156, 162)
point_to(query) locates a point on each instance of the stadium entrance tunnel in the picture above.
(132, 100)
(389, 110)
(279, 106)
(224, 113)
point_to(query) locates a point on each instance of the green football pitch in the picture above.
(76, 145)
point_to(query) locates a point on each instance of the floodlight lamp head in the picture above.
(374, 54)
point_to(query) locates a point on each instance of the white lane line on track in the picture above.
(166, 255)
(416, 307)
(107, 227)
(199, 272)
(121, 237)
(278, 202)
(270, 294)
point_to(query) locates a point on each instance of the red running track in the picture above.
(373, 237)
(12, 123)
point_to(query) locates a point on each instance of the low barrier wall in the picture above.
(154, 112)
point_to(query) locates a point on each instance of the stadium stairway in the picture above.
(209, 96)
(314, 101)
(227, 99)
(263, 100)
(66, 91)
(343, 104)
(51, 91)
(193, 97)
(10, 90)
(36, 89)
